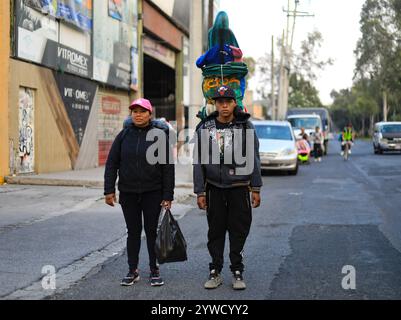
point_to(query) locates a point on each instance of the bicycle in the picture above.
(347, 145)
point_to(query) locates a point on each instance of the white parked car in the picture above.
(277, 148)
(387, 137)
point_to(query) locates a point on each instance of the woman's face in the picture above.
(140, 116)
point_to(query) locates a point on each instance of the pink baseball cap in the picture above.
(144, 103)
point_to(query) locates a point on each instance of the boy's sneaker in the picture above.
(155, 279)
(238, 281)
(130, 278)
(214, 280)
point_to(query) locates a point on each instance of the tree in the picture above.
(307, 62)
(358, 105)
(302, 93)
(306, 66)
(379, 49)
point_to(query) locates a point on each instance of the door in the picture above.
(26, 145)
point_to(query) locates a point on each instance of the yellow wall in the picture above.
(4, 71)
(51, 151)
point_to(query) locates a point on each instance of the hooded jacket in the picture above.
(223, 175)
(127, 160)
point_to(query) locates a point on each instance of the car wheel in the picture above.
(293, 172)
(379, 150)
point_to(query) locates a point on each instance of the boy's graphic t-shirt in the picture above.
(224, 136)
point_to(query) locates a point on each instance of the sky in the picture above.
(255, 21)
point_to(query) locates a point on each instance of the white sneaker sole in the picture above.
(214, 287)
(130, 284)
(239, 288)
(157, 284)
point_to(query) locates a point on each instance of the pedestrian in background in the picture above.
(144, 188)
(318, 144)
(223, 193)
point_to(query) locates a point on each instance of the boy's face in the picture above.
(225, 106)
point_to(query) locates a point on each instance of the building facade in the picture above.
(71, 68)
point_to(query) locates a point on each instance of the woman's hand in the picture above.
(166, 204)
(111, 199)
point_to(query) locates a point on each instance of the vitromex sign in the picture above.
(66, 59)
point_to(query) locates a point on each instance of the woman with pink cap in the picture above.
(144, 187)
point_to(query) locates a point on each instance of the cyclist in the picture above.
(347, 136)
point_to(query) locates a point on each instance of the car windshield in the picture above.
(393, 128)
(307, 123)
(273, 132)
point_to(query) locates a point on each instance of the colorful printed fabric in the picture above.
(231, 74)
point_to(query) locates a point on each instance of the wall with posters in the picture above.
(52, 146)
(77, 13)
(115, 42)
(112, 109)
(64, 131)
(43, 38)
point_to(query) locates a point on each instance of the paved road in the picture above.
(67, 228)
(333, 214)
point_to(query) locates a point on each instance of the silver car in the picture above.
(387, 137)
(277, 148)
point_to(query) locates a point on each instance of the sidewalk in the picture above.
(88, 178)
(60, 220)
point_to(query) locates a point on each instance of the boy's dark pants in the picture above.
(227, 210)
(133, 205)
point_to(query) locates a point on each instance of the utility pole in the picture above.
(281, 90)
(287, 58)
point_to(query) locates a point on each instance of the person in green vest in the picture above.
(347, 136)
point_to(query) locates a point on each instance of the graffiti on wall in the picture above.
(26, 131)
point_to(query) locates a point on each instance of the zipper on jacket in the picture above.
(137, 154)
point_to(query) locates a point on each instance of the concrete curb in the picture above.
(52, 182)
(67, 182)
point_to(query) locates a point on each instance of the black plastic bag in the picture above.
(170, 243)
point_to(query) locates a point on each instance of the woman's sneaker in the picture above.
(214, 280)
(130, 278)
(155, 279)
(238, 281)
